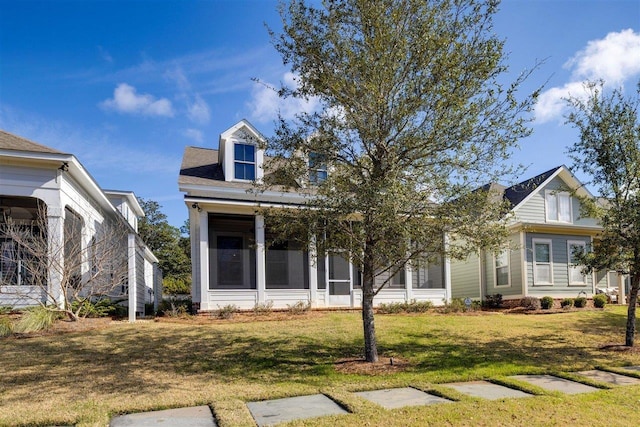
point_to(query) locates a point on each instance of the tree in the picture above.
(412, 119)
(64, 271)
(609, 153)
(166, 242)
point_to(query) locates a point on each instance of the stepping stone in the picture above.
(631, 368)
(197, 416)
(549, 382)
(400, 397)
(609, 377)
(486, 390)
(270, 412)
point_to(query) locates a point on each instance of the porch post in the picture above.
(55, 243)
(313, 272)
(261, 259)
(622, 298)
(133, 285)
(408, 281)
(447, 269)
(203, 252)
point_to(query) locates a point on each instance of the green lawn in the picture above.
(86, 378)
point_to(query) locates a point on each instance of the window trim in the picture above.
(508, 266)
(570, 265)
(244, 162)
(535, 241)
(556, 194)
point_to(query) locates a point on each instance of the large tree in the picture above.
(412, 118)
(609, 153)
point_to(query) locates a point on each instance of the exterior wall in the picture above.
(560, 287)
(465, 277)
(515, 288)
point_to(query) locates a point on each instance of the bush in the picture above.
(418, 306)
(5, 309)
(546, 302)
(174, 307)
(6, 327)
(566, 303)
(299, 307)
(36, 319)
(101, 308)
(263, 308)
(227, 311)
(581, 302)
(599, 300)
(492, 301)
(391, 308)
(530, 303)
(457, 305)
(176, 285)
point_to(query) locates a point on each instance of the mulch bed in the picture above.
(384, 365)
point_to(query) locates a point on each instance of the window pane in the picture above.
(564, 207)
(552, 206)
(249, 172)
(338, 267)
(575, 250)
(249, 153)
(542, 252)
(543, 273)
(502, 276)
(399, 278)
(502, 259)
(238, 152)
(230, 265)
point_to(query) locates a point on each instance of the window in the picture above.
(502, 268)
(558, 206)
(574, 250)
(399, 279)
(542, 262)
(244, 164)
(317, 168)
(277, 266)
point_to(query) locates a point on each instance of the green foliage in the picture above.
(457, 305)
(299, 307)
(546, 302)
(264, 308)
(5, 309)
(412, 306)
(227, 311)
(36, 319)
(567, 303)
(492, 301)
(599, 300)
(176, 285)
(530, 303)
(6, 327)
(100, 308)
(580, 302)
(174, 307)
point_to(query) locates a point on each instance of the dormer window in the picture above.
(558, 206)
(244, 162)
(317, 168)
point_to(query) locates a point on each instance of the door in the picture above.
(340, 283)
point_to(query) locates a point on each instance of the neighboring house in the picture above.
(230, 261)
(37, 180)
(546, 230)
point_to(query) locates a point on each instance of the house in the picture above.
(41, 187)
(546, 230)
(231, 263)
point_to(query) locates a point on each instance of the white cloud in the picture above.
(126, 100)
(265, 103)
(194, 134)
(614, 59)
(198, 111)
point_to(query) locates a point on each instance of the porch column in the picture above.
(261, 259)
(55, 243)
(203, 252)
(133, 285)
(447, 269)
(313, 272)
(622, 297)
(408, 281)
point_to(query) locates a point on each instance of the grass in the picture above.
(84, 378)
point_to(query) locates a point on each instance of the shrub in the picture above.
(36, 319)
(599, 300)
(391, 308)
(581, 302)
(6, 327)
(263, 308)
(457, 305)
(227, 311)
(173, 307)
(492, 301)
(546, 302)
(101, 308)
(566, 303)
(418, 306)
(530, 303)
(299, 307)
(176, 285)
(5, 309)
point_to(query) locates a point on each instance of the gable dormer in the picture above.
(241, 154)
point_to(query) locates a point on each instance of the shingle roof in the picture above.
(9, 141)
(518, 192)
(200, 166)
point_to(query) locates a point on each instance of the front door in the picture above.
(340, 283)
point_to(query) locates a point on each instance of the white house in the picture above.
(231, 264)
(38, 180)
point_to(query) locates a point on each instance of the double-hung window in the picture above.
(244, 161)
(502, 268)
(317, 168)
(542, 262)
(575, 249)
(558, 206)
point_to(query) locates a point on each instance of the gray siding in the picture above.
(465, 277)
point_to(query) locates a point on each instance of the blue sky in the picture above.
(126, 85)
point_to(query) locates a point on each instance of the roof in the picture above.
(518, 192)
(9, 141)
(200, 166)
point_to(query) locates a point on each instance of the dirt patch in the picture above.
(620, 348)
(384, 365)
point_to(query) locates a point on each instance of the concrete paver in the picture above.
(609, 377)
(400, 397)
(486, 390)
(631, 368)
(197, 416)
(270, 412)
(552, 383)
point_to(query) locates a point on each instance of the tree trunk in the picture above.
(368, 325)
(631, 311)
